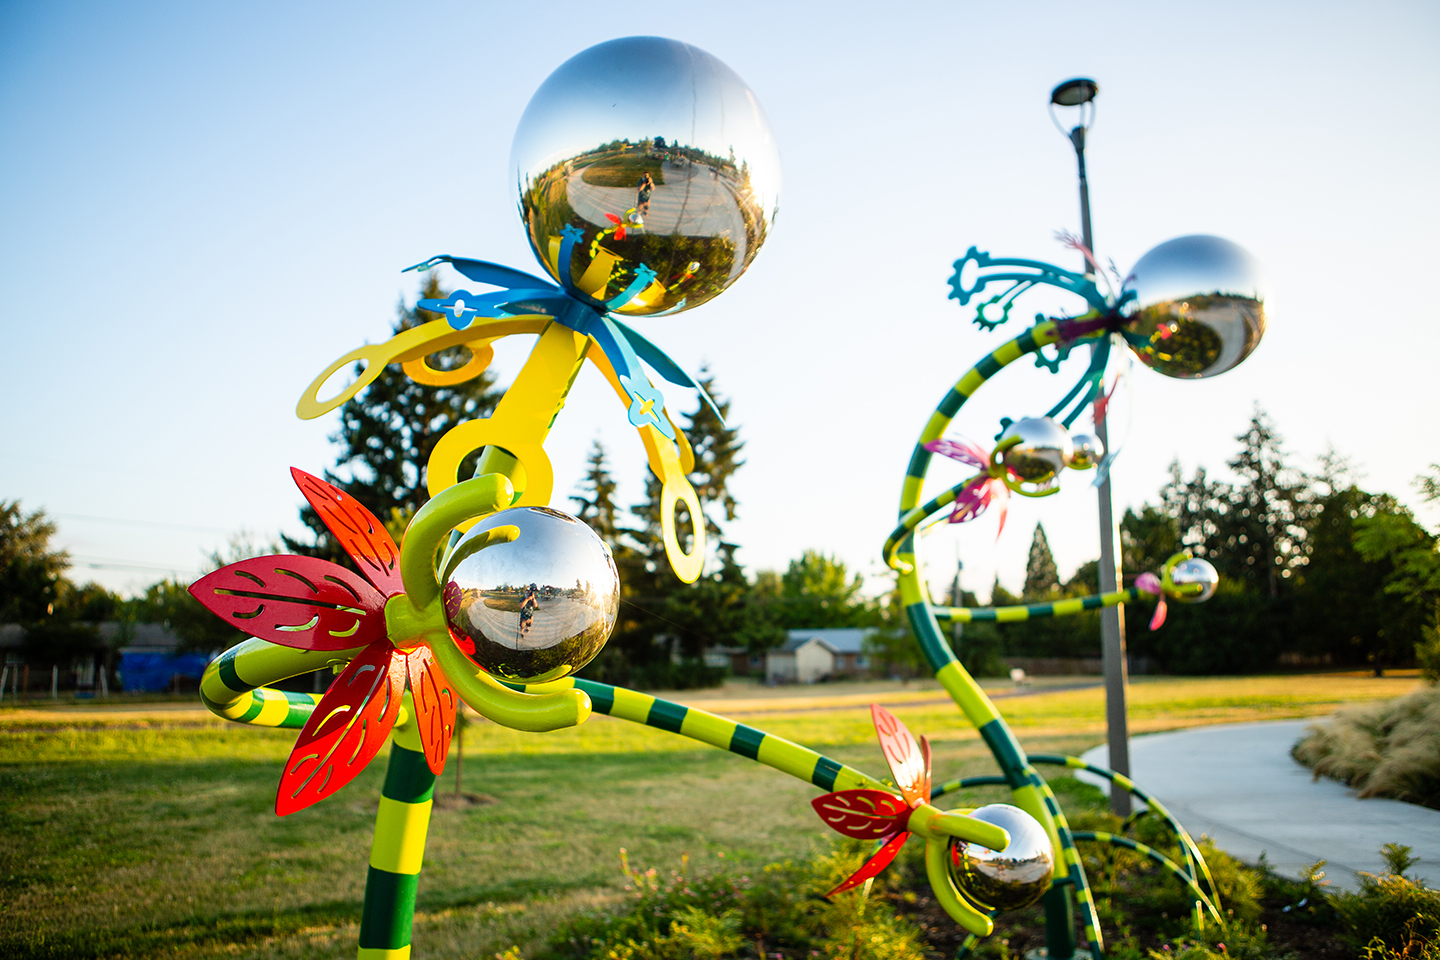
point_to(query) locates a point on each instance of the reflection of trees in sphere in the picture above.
(1008, 879)
(636, 108)
(538, 606)
(1043, 451)
(1200, 305)
(1193, 571)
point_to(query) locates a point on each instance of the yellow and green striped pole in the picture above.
(398, 849)
(1029, 791)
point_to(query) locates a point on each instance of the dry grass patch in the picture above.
(1389, 749)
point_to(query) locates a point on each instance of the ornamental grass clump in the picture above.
(1389, 749)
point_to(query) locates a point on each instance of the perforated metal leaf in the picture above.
(874, 865)
(863, 814)
(435, 705)
(300, 602)
(902, 754)
(360, 534)
(349, 726)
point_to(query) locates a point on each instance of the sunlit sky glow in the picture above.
(203, 205)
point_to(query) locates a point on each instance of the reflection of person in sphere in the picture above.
(528, 606)
(642, 195)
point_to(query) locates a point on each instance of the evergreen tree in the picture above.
(1263, 532)
(662, 618)
(1042, 579)
(388, 431)
(598, 509)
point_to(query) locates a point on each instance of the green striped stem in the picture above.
(1175, 869)
(715, 730)
(1195, 860)
(233, 685)
(1028, 789)
(398, 848)
(1032, 611)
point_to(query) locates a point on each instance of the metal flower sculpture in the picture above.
(866, 814)
(311, 604)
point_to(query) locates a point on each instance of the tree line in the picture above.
(1313, 568)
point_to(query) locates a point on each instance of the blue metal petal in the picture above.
(483, 271)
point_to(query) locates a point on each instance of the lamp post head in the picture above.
(1072, 93)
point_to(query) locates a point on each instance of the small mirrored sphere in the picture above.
(658, 163)
(1043, 451)
(1193, 571)
(1008, 879)
(1200, 305)
(1088, 451)
(536, 607)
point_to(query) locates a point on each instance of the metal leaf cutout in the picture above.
(359, 533)
(301, 602)
(863, 814)
(349, 726)
(902, 754)
(874, 865)
(435, 705)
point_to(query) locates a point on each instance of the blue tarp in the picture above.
(155, 671)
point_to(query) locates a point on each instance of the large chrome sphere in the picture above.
(1088, 451)
(1007, 879)
(1043, 451)
(1194, 571)
(1200, 304)
(536, 607)
(662, 159)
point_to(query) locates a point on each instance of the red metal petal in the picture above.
(972, 499)
(620, 233)
(301, 602)
(347, 729)
(1158, 619)
(907, 763)
(863, 814)
(435, 704)
(612, 218)
(874, 865)
(360, 534)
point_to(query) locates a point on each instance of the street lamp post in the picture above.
(1080, 93)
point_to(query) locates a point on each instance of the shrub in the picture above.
(1391, 917)
(722, 914)
(1390, 749)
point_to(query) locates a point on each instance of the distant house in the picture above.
(147, 658)
(809, 656)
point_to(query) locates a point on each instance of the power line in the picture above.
(102, 563)
(143, 523)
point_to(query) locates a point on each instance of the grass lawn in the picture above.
(148, 830)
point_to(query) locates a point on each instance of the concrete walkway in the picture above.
(1238, 784)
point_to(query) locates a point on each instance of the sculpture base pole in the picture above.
(398, 848)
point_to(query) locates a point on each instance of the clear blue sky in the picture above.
(204, 204)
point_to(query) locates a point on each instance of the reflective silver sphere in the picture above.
(1043, 451)
(661, 158)
(1198, 571)
(1088, 451)
(1200, 302)
(538, 607)
(1012, 878)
